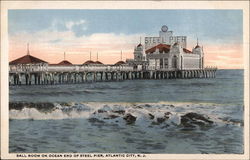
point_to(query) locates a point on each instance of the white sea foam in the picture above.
(88, 110)
(145, 113)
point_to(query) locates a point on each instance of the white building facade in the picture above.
(169, 52)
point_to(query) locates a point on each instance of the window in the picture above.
(174, 62)
(165, 63)
(161, 63)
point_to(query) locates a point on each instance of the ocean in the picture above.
(185, 116)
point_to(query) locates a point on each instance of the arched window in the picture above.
(174, 62)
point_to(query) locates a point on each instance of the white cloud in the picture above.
(70, 24)
(77, 27)
(51, 42)
(67, 38)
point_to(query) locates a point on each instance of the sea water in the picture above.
(91, 117)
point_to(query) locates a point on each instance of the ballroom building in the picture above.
(168, 52)
(174, 57)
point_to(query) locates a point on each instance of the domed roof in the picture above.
(119, 63)
(65, 63)
(98, 62)
(197, 46)
(89, 62)
(175, 44)
(186, 50)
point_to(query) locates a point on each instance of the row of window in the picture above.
(164, 63)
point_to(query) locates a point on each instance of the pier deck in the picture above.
(52, 76)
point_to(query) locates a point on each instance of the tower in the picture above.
(139, 52)
(199, 51)
(165, 35)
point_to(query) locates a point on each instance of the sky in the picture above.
(50, 33)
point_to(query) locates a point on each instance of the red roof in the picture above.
(119, 63)
(65, 63)
(139, 45)
(89, 62)
(165, 48)
(161, 47)
(175, 44)
(27, 59)
(98, 62)
(186, 50)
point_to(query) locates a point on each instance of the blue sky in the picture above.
(212, 24)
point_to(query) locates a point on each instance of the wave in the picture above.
(162, 114)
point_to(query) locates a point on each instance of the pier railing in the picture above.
(70, 68)
(89, 68)
(83, 73)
